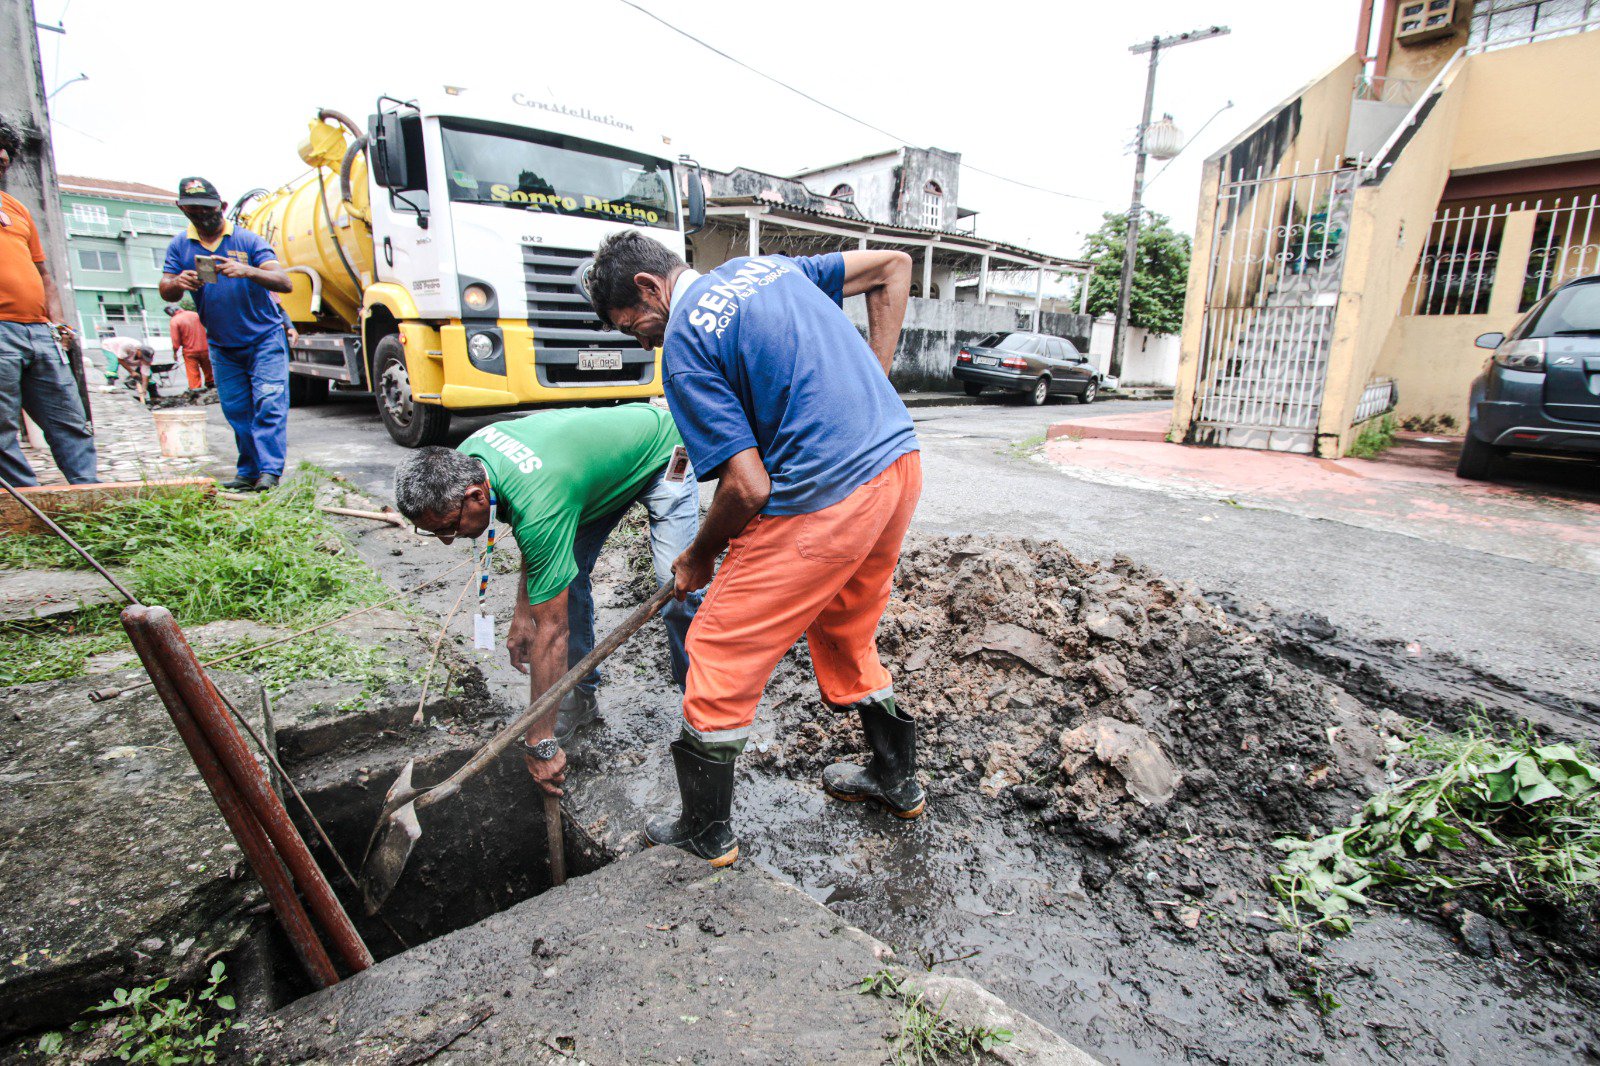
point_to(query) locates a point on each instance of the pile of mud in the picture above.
(186, 398)
(1109, 700)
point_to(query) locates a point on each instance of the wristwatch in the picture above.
(546, 749)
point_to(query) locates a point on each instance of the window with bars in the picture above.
(844, 192)
(932, 205)
(1456, 271)
(1566, 245)
(90, 213)
(1510, 22)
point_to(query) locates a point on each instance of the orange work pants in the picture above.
(826, 574)
(197, 368)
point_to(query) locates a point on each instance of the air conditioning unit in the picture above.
(1425, 20)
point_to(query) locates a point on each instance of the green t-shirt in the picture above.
(557, 470)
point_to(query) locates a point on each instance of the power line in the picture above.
(844, 114)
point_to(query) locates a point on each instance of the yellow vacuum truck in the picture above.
(434, 254)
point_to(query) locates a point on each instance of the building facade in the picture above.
(856, 205)
(1353, 241)
(117, 236)
(902, 186)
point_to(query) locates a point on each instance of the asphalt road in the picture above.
(1536, 625)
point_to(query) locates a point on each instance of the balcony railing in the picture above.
(131, 224)
(1386, 90)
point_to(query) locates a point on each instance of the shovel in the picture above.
(399, 829)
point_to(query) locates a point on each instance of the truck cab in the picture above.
(435, 263)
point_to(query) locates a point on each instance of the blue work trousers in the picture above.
(674, 512)
(35, 377)
(253, 386)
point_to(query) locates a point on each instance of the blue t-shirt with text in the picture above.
(237, 313)
(759, 353)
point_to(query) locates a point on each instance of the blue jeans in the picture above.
(35, 377)
(253, 387)
(674, 511)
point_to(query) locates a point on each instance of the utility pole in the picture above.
(1130, 252)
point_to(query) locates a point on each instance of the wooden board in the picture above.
(58, 499)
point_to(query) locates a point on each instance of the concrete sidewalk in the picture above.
(655, 958)
(1544, 511)
(125, 442)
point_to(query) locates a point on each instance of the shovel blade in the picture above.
(393, 840)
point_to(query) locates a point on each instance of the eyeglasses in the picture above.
(453, 529)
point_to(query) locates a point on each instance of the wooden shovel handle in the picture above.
(541, 706)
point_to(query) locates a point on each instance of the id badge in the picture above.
(678, 465)
(483, 632)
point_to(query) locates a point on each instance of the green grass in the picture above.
(273, 559)
(923, 1034)
(1375, 438)
(323, 656)
(1511, 822)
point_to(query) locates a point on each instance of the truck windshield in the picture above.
(553, 174)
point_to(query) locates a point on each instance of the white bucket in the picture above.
(181, 432)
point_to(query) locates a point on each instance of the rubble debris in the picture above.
(1104, 696)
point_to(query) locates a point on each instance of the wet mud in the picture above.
(1108, 757)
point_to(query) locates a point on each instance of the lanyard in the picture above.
(483, 579)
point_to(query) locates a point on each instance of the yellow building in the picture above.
(1353, 242)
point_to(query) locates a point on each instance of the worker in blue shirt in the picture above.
(249, 347)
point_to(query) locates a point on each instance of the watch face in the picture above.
(546, 748)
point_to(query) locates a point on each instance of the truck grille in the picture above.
(557, 310)
(564, 324)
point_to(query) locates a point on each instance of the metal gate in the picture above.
(1276, 260)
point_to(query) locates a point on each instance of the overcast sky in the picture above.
(1043, 92)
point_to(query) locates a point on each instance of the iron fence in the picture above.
(1455, 273)
(1275, 270)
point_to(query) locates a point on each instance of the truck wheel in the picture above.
(1477, 458)
(972, 387)
(411, 424)
(305, 391)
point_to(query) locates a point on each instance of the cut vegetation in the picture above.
(1506, 826)
(274, 559)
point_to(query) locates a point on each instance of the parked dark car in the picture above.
(1036, 364)
(1540, 391)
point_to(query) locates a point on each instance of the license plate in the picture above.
(599, 360)
(985, 360)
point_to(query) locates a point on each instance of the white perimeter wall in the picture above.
(1147, 359)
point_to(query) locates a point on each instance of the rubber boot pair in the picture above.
(705, 785)
(890, 777)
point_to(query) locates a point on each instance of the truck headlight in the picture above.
(477, 297)
(481, 347)
(1521, 355)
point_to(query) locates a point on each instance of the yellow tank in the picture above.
(295, 220)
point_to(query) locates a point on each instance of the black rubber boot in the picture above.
(240, 483)
(578, 708)
(890, 778)
(706, 787)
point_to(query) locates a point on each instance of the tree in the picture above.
(1160, 276)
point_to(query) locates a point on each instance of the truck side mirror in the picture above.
(1490, 340)
(695, 214)
(389, 167)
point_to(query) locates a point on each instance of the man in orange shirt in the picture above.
(34, 374)
(189, 340)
